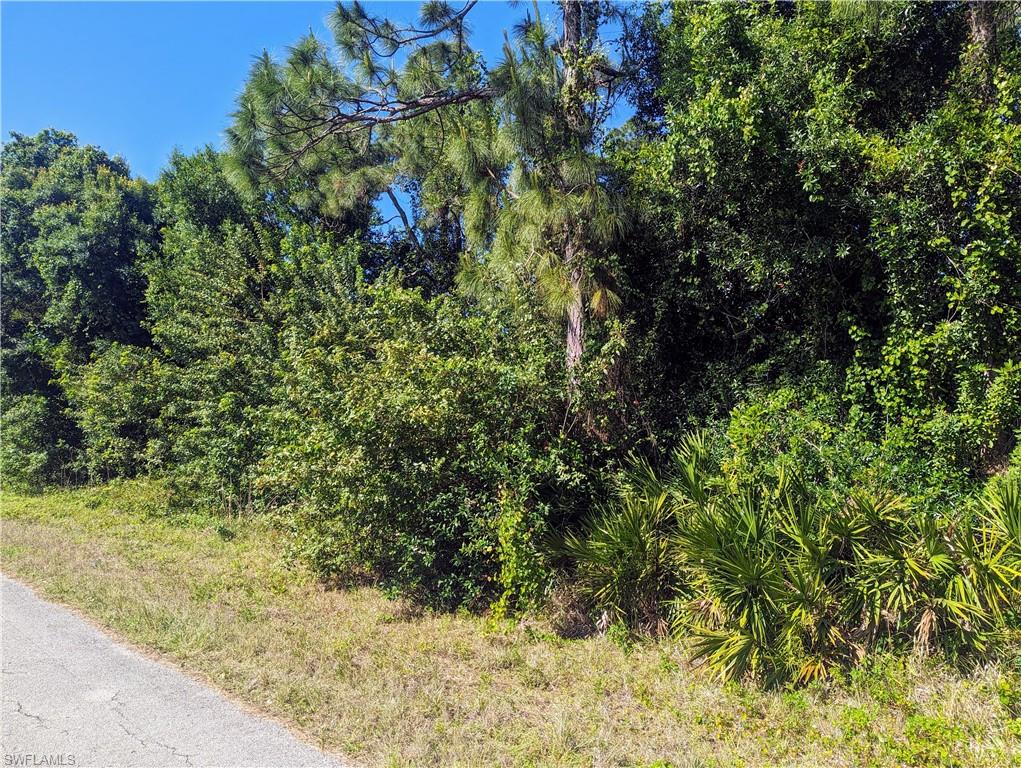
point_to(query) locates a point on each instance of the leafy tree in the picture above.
(79, 220)
(74, 223)
(228, 275)
(944, 368)
(807, 214)
(213, 331)
(39, 442)
(115, 403)
(195, 189)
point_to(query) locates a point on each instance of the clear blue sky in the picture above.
(138, 79)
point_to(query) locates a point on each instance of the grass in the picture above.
(384, 684)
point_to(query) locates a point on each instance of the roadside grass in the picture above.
(385, 684)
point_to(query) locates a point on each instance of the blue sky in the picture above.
(138, 79)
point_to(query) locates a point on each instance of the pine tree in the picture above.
(504, 160)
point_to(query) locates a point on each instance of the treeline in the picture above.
(746, 366)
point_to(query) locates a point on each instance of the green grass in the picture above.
(383, 683)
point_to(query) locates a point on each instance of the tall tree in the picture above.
(508, 156)
(74, 222)
(987, 21)
(827, 199)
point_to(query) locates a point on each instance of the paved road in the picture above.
(72, 696)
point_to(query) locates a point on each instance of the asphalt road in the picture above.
(71, 696)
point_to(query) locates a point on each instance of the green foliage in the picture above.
(931, 741)
(872, 232)
(73, 223)
(820, 265)
(38, 443)
(780, 582)
(77, 222)
(413, 434)
(113, 398)
(524, 571)
(217, 293)
(195, 189)
(796, 428)
(213, 329)
(621, 559)
(946, 372)
(1009, 694)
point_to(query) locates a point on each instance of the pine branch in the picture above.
(366, 114)
(375, 31)
(404, 219)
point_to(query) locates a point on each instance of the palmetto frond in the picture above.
(778, 582)
(622, 556)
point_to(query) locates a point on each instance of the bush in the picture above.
(781, 581)
(835, 446)
(420, 442)
(115, 403)
(795, 428)
(37, 442)
(622, 559)
(214, 332)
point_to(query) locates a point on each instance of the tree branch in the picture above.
(404, 218)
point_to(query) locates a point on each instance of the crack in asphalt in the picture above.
(80, 693)
(20, 709)
(124, 719)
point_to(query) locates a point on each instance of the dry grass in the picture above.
(384, 684)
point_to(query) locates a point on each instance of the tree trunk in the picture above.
(575, 310)
(574, 113)
(982, 23)
(570, 50)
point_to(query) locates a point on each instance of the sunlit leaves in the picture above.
(782, 583)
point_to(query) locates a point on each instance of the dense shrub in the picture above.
(38, 442)
(833, 447)
(621, 559)
(419, 438)
(833, 189)
(214, 332)
(805, 428)
(806, 240)
(114, 400)
(780, 581)
(944, 370)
